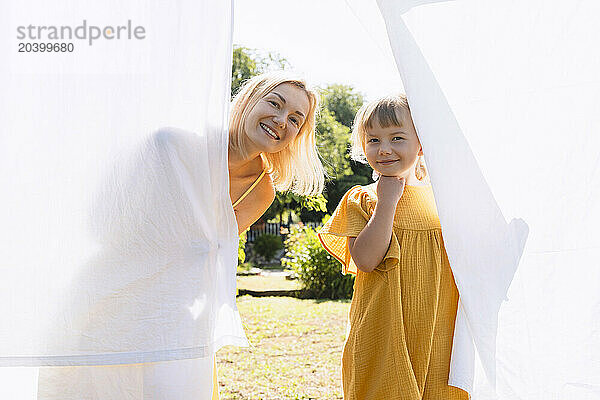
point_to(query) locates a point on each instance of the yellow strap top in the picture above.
(247, 192)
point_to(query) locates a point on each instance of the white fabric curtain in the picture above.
(505, 96)
(119, 245)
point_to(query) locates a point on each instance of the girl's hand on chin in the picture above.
(390, 189)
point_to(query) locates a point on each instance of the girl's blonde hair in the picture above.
(387, 111)
(297, 167)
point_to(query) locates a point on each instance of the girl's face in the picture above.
(276, 119)
(393, 151)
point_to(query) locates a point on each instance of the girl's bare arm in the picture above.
(369, 247)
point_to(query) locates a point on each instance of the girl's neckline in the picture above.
(426, 186)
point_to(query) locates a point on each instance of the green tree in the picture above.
(340, 102)
(287, 205)
(343, 102)
(244, 67)
(332, 141)
(251, 62)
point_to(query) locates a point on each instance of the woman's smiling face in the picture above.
(393, 150)
(276, 119)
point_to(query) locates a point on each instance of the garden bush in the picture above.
(319, 272)
(242, 248)
(266, 246)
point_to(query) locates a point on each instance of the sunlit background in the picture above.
(323, 40)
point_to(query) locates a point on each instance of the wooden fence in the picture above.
(273, 229)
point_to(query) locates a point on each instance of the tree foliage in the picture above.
(343, 102)
(286, 203)
(266, 246)
(333, 141)
(340, 103)
(249, 62)
(316, 269)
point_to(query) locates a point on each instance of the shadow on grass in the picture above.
(298, 294)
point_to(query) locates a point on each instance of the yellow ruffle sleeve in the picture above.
(348, 220)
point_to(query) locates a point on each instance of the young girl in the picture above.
(388, 234)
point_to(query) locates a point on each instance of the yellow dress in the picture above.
(402, 314)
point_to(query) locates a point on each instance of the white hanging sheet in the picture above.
(119, 242)
(505, 96)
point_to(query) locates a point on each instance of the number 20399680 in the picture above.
(46, 47)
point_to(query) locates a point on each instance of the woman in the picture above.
(272, 129)
(271, 147)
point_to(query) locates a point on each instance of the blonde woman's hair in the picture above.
(297, 167)
(387, 111)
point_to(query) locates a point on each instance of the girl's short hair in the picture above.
(297, 167)
(387, 111)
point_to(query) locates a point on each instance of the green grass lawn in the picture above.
(295, 353)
